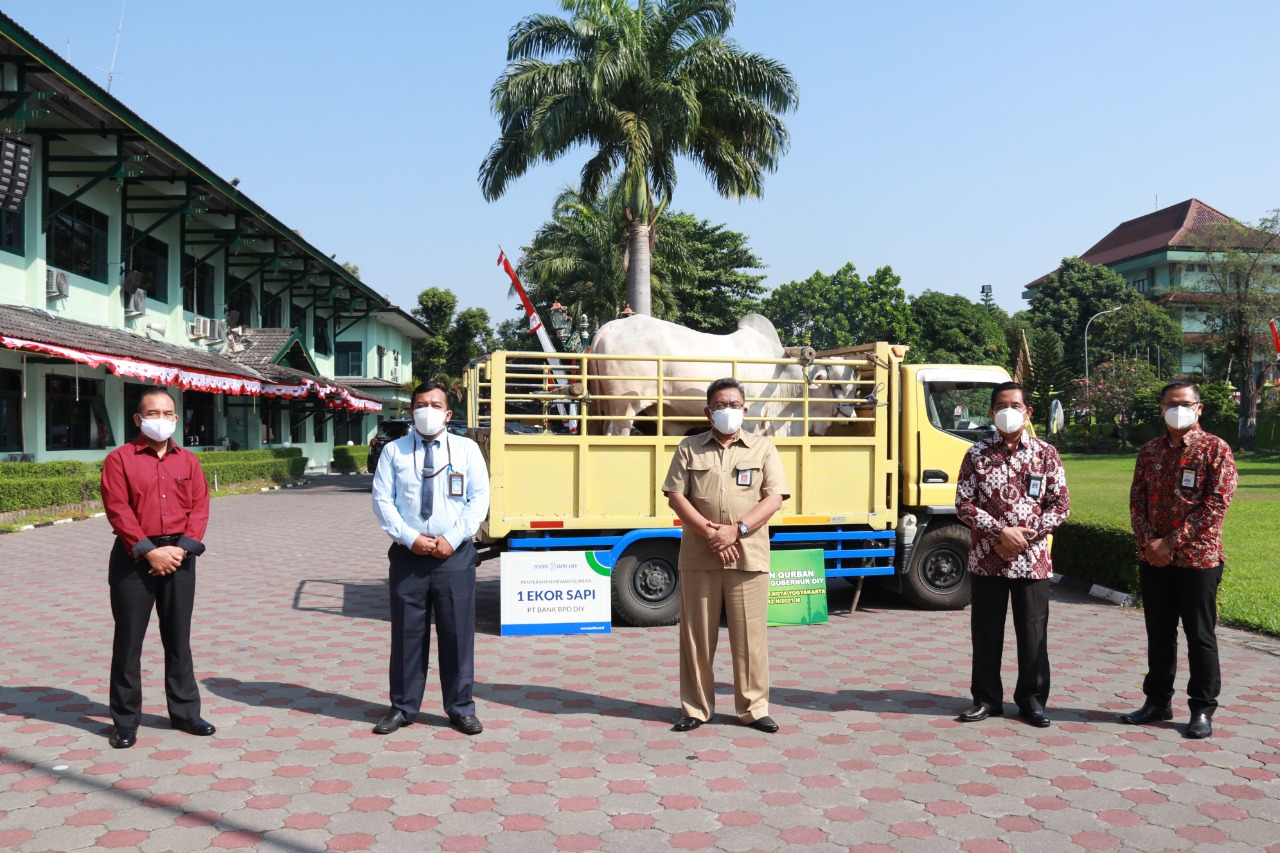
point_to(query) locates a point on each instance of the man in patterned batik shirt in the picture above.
(1012, 493)
(1182, 485)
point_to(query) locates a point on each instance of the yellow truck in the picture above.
(876, 491)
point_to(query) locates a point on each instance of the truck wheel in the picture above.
(646, 584)
(939, 575)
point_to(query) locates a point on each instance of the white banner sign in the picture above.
(554, 592)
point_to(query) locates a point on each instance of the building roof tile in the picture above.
(39, 326)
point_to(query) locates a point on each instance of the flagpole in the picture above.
(537, 327)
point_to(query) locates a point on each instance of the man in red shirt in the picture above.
(157, 501)
(1182, 485)
(1012, 493)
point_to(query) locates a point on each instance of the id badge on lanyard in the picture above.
(456, 484)
(1035, 486)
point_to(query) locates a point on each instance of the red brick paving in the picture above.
(290, 646)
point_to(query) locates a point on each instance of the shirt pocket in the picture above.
(704, 479)
(182, 491)
(744, 495)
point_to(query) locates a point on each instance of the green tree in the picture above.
(700, 270)
(954, 330)
(1068, 298)
(710, 266)
(1140, 329)
(1242, 287)
(578, 258)
(514, 335)
(1117, 389)
(1051, 378)
(841, 309)
(639, 85)
(455, 337)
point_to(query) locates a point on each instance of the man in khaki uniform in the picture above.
(725, 485)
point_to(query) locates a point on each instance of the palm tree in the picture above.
(578, 258)
(640, 85)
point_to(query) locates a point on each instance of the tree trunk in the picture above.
(1247, 433)
(638, 272)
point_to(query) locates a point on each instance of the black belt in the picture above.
(165, 541)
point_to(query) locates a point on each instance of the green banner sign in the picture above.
(797, 588)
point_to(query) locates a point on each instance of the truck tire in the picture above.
(939, 574)
(646, 583)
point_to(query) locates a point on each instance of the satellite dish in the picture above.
(160, 327)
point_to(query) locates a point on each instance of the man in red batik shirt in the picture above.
(157, 501)
(1182, 485)
(1012, 493)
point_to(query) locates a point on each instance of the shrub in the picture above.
(350, 457)
(1099, 551)
(221, 456)
(279, 470)
(38, 470)
(18, 493)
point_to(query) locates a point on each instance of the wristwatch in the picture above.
(743, 529)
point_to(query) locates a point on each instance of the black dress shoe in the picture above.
(1037, 718)
(393, 720)
(980, 712)
(468, 725)
(764, 724)
(197, 727)
(686, 724)
(1147, 714)
(1201, 726)
(123, 737)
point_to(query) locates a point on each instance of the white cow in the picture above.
(755, 338)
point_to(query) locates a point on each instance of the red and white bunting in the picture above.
(197, 380)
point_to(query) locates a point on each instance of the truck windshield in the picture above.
(960, 408)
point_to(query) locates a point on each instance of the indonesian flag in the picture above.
(518, 288)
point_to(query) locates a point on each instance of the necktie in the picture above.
(428, 484)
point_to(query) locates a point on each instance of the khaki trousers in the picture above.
(745, 599)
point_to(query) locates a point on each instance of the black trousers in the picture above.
(1171, 593)
(423, 587)
(134, 592)
(991, 597)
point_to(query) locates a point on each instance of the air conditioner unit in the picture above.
(137, 304)
(56, 285)
(219, 330)
(395, 374)
(202, 327)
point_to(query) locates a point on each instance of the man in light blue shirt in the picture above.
(431, 494)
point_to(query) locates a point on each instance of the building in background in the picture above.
(125, 262)
(1160, 255)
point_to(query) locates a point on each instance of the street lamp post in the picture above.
(1086, 351)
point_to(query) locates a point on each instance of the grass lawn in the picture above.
(1250, 593)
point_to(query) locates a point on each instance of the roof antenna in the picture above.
(111, 72)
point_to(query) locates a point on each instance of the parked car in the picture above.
(388, 430)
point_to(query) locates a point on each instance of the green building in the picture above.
(125, 263)
(1158, 256)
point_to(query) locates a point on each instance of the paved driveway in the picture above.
(291, 639)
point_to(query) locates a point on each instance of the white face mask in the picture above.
(428, 421)
(1180, 417)
(728, 421)
(158, 429)
(1009, 421)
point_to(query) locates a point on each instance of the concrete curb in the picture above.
(1123, 599)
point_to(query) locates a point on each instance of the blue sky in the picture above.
(961, 143)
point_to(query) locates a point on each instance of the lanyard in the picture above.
(446, 467)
